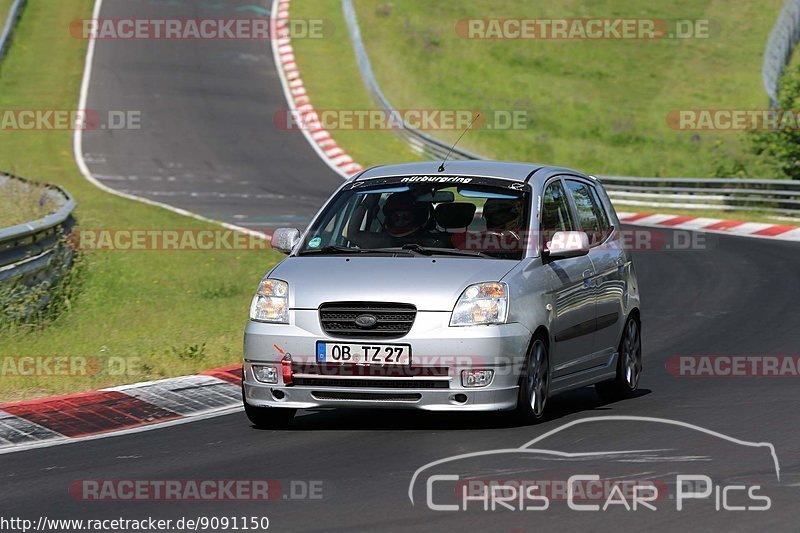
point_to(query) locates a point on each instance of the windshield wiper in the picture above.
(333, 250)
(431, 250)
(410, 248)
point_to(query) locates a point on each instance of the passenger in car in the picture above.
(503, 233)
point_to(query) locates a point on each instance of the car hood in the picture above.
(432, 284)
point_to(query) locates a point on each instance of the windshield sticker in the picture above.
(436, 179)
(315, 242)
(389, 181)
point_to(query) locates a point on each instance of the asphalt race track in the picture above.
(207, 141)
(211, 107)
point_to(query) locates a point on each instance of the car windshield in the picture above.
(441, 215)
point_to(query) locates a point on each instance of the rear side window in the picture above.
(556, 215)
(602, 214)
(591, 215)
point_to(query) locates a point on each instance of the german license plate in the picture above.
(365, 354)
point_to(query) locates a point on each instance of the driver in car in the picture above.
(406, 217)
(406, 220)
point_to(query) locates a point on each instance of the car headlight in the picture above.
(482, 303)
(271, 302)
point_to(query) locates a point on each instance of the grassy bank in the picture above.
(22, 202)
(164, 313)
(597, 105)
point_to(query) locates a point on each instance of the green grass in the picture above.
(600, 106)
(169, 313)
(330, 74)
(22, 203)
(5, 5)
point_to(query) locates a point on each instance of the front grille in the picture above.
(366, 396)
(393, 320)
(371, 383)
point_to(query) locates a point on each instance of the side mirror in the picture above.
(285, 239)
(566, 244)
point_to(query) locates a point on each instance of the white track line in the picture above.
(84, 168)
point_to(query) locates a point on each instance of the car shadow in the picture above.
(348, 419)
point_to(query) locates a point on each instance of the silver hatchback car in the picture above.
(485, 286)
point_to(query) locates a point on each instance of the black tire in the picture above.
(629, 365)
(534, 383)
(268, 417)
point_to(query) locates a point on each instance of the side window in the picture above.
(602, 214)
(556, 215)
(591, 215)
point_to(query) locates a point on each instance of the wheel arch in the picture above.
(636, 314)
(540, 332)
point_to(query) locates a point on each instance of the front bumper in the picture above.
(435, 346)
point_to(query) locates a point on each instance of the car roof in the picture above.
(532, 173)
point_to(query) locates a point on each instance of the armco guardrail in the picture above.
(420, 142)
(34, 255)
(782, 39)
(774, 196)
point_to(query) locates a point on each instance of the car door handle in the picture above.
(587, 278)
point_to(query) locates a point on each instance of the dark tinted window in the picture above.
(602, 214)
(556, 215)
(591, 215)
(446, 217)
